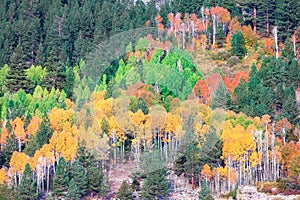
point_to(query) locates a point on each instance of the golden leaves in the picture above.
(33, 126)
(18, 128)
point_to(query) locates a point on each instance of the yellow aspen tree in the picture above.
(206, 172)
(33, 126)
(17, 165)
(18, 129)
(3, 176)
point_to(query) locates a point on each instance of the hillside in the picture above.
(114, 99)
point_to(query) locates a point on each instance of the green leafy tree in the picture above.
(238, 45)
(36, 74)
(3, 78)
(27, 188)
(61, 180)
(125, 192)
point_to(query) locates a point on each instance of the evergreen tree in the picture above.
(289, 107)
(292, 73)
(155, 185)
(204, 192)
(31, 147)
(219, 99)
(10, 147)
(73, 191)
(287, 17)
(125, 192)
(27, 188)
(16, 78)
(95, 177)
(79, 177)
(141, 104)
(238, 45)
(288, 51)
(44, 133)
(265, 16)
(84, 156)
(61, 180)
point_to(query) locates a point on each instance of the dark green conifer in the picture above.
(238, 45)
(125, 192)
(27, 188)
(61, 180)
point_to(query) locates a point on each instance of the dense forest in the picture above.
(202, 91)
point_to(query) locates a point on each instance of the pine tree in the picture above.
(125, 192)
(61, 180)
(265, 19)
(16, 78)
(27, 188)
(219, 99)
(10, 147)
(141, 104)
(204, 191)
(95, 177)
(287, 17)
(84, 156)
(44, 133)
(289, 107)
(155, 185)
(79, 177)
(238, 45)
(73, 191)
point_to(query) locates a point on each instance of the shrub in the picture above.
(233, 60)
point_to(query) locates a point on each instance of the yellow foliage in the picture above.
(206, 172)
(3, 176)
(18, 129)
(18, 162)
(59, 117)
(34, 125)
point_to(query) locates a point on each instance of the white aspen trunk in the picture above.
(16, 182)
(20, 178)
(20, 143)
(229, 163)
(276, 41)
(48, 175)
(202, 14)
(283, 136)
(294, 45)
(214, 29)
(218, 183)
(267, 154)
(53, 163)
(183, 35)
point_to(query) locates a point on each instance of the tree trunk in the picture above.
(214, 29)
(294, 45)
(254, 15)
(276, 41)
